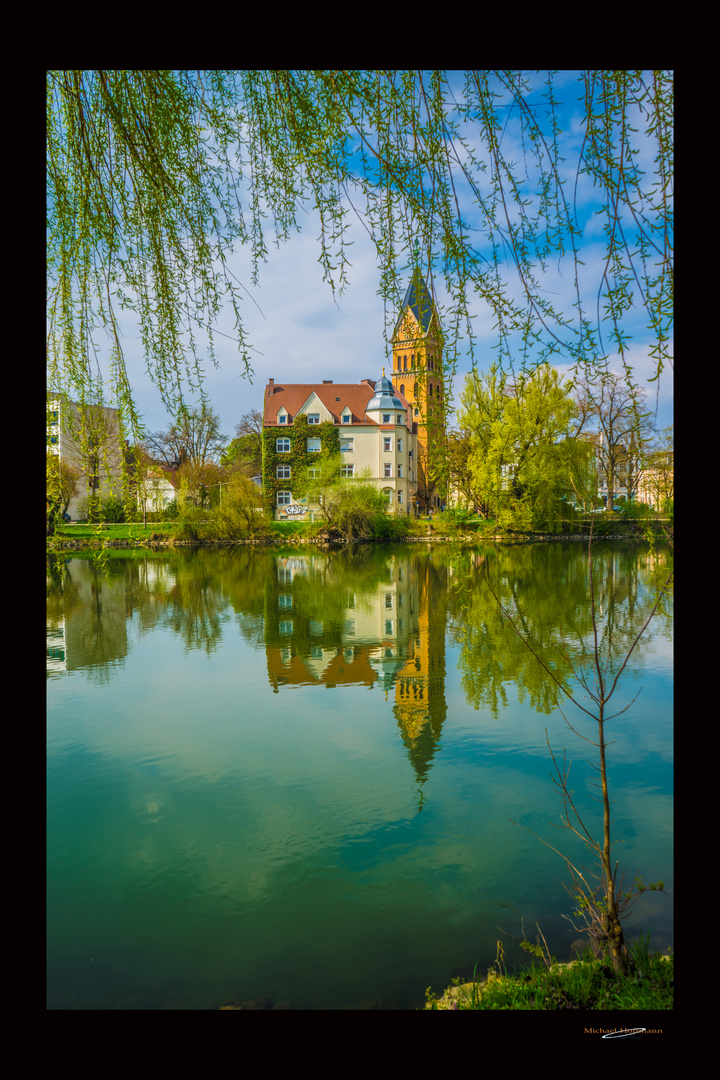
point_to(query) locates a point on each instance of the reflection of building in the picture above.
(88, 439)
(420, 706)
(389, 635)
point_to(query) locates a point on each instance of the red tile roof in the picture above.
(334, 396)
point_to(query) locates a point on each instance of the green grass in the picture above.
(131, 531)
(589, 984)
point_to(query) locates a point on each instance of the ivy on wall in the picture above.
(298, 459)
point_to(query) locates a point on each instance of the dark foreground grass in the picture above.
(585, 984)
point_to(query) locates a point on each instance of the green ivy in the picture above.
(298, 459)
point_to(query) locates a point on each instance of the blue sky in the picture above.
(299, 333)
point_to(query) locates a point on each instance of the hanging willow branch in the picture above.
(156, 177)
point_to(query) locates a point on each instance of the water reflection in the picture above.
(240, 744)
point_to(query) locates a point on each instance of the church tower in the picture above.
(418, 375)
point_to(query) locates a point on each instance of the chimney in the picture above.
(271, 387)
(326, 381)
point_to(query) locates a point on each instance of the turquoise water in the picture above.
(293, 780)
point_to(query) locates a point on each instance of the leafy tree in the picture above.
(245, 451)
(155, 176)
(350, 506)
(240, 513)
(62, 486)
(519, 436)
(200, 482)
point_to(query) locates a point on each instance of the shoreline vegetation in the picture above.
(588, 984)
(88, 536)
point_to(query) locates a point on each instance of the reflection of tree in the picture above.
(546, 588)
(197, 603)
(88, 603)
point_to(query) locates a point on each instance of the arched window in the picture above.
(402, 391)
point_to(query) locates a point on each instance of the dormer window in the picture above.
(282, 418)
(346, 416)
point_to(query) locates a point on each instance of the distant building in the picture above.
(88, 439)
(387, 428)
(376, 435)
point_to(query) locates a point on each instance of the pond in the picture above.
(314, 779)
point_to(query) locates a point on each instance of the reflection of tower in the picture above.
(420, 706)
(418, 374)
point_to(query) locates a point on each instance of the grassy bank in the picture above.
(440, 527)
(589, 984)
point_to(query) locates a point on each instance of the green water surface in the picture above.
(312, 780)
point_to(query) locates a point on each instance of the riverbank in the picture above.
(589, 984)
(165, 540)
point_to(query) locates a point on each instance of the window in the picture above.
(347, 470)
(313, 446)
(284, 600)
(388, 468)
(282, 446)
(400, 446)
(283, 472)
(282, 418)
(347, 418)
(283, 498)
(387, 445)
(314, 418)
(387, 418)
(347, 444)
(400, 494)
(313, 473)
(399, 468)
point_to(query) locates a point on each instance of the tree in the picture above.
(520, 436)
(194, 439)
(62, 485)
(613, 414)
(245, 451)
(155, 176)
(240, 512)
(352, 507)
(588, 677)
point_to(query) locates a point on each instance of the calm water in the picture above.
(289, 779)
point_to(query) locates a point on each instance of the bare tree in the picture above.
(613, 416)
(193, 438)
(603, 914)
